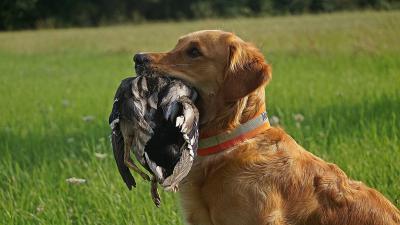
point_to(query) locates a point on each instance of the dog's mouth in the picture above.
(141, 69)
(146, 70)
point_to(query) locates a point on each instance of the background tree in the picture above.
(22, 14)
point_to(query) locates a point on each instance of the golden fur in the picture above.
(269, 179)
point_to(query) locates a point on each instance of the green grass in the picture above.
(341, 71)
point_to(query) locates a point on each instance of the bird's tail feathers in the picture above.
(117, 141)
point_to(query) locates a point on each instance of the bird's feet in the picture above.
(129, 163)
(145, 176)
(154, 193)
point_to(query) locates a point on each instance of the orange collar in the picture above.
(225, 140)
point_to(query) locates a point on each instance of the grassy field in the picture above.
(340, 71)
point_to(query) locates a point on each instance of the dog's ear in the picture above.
(246, 71)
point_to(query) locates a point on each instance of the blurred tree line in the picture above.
(21, 14)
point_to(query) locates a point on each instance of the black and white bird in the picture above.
(156, 116)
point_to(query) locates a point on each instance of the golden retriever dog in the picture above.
(247, 172)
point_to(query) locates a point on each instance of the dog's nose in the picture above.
(141, 58)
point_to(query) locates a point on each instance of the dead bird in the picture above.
(157, 116)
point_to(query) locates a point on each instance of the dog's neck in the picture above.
(229, 116)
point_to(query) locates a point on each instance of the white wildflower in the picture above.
(339, 94)
(74, 180)
(274, 120)
(65, 103)
(88, 118)
(40, 208)
(100, 155)
(298, 117)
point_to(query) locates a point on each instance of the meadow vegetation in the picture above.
(335, 89)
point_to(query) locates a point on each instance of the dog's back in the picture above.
(273, 180)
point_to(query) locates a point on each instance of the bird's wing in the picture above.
(138, 109)
(117, 140)
(113, 119)
(144, 103)
(175, 90)
(181, 170)
(188, 124)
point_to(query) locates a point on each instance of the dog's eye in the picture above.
(193, 52)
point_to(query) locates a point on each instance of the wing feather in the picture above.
(188, 122)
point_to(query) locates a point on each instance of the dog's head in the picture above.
(221, 66)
